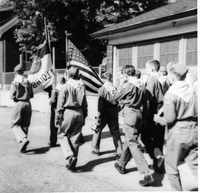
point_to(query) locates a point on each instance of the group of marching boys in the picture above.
(162, 106)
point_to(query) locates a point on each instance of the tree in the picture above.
(79, 18)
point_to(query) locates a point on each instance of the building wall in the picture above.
(132, 41)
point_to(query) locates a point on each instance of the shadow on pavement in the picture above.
(38, 151)
(91, 164)
(104, 135)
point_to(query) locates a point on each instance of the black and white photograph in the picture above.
(98, 96)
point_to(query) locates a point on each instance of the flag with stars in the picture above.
(89, 77)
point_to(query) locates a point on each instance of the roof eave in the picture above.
(8, 25)
(143, 24)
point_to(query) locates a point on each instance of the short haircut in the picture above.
(73, 73)
(129, 70)
(107, 76)
(154, 64)
(137, 74)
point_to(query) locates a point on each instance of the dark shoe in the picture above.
(95, 153)
(117, 157)
(23, 145)
(147, 181)
(72, 163)
(52, 144)
(120, 169)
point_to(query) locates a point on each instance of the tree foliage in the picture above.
(79, 18)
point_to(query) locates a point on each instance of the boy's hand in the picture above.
(159, 120)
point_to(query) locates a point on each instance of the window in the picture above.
(27, 61)
(191, 52)
(145, 53)
(125, 56)
(169, 52)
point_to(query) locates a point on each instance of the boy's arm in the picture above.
(120, 94)
(13, 91)
(59, 110)
(150, 86)
(169, 111)
(85, 107)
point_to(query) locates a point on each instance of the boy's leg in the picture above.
(114, 129)
(96, 139)
(179, 142)
(16, 120)
(53, 129)
(133, 144)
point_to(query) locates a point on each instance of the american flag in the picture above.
(89, 77)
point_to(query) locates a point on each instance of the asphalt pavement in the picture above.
(42, 169)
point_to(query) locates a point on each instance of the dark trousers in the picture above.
(53, 128)
(153, 135)
(113, 124)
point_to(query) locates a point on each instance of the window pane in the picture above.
(175, 58)
(191, 52)
(169, 47)
(140, 51)
(169, 52)
(195, 43)
(168, 59)
(145, 53)
(189, 58)
(130, 61)
(130, 52)
(195, 59)
(190, 45)
(140, 63)
(162, 48)
(175, 46)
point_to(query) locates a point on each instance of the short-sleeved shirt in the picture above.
(154, 84)
(72, 95)
(180, 102)
(21, 89)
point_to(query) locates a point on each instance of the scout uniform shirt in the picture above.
(21, 89)
(72, 96)
(106, 102)
(155, 84)
(133, 95)
(180, 103)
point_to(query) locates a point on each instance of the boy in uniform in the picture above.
(153, 135)
(107, 114)
(53, 103)
(21, 93)
(133, 97)
(70, 116)
(180, 115)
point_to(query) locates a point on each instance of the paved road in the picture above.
(42, 169)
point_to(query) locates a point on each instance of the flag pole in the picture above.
(54, 66)
(66, 50)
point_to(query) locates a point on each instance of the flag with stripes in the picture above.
(42, 74)
(89, 77)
